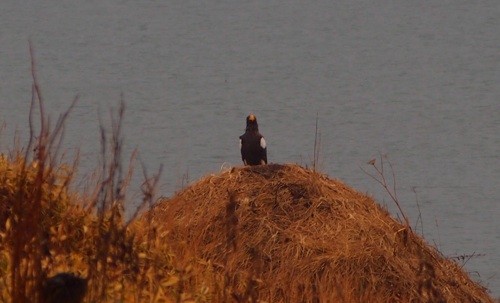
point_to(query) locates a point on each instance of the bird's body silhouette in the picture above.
(252, 144)
(64, 288)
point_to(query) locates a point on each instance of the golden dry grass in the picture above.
(282, 233)
(275, 233)
(66, 234)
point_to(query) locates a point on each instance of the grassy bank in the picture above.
(277, 233)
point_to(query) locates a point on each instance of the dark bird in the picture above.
(64, 288)
(252, 144)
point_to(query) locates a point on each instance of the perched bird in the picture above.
(252, 144)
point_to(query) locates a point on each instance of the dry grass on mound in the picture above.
(281, 233)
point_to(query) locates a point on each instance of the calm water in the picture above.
(416, 80)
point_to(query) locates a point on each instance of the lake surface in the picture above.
(417, 81)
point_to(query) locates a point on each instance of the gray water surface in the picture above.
(417, 81)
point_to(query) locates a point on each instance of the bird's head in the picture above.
(252, 122)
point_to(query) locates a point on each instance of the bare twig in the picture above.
(36, 86)
(466, 257)
(419, 218)
(467, 260)
(381, 179)
(317, 142)
(57, 135)
(148, 188)
(439, 236)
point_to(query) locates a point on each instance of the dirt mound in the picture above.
(281, 233)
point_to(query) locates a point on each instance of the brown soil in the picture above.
(282, 233)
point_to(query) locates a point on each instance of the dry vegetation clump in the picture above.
(56, 246)
(59, 246)
(282, 233)
(41, 226)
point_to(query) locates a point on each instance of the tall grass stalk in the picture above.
(23, 226)
(317, 144)
(381, 178)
